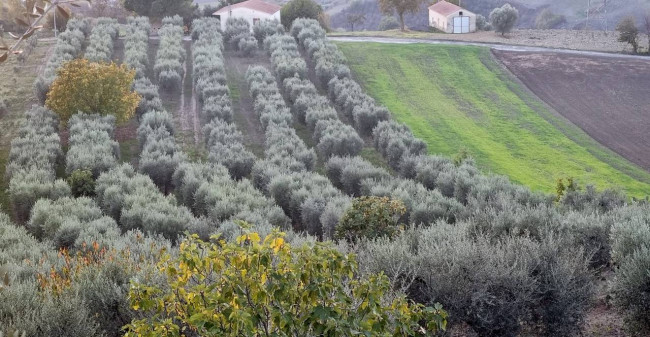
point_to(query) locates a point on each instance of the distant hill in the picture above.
(604, 14)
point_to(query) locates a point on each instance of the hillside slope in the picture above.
(601, 16)
(458, 98)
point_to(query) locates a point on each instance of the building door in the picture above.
(461, 24)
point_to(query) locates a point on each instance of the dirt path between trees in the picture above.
(189, 119)
(242, 103)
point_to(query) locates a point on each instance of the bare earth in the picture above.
(606, 97)
(547, 38)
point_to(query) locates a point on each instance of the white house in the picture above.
(252, 10)
(451, 18)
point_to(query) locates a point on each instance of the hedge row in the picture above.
(91, 144)
(209, 192)
(223, 141)
(69, 46)
(71, 222)
(331, 135)
(137, 44)
(135, 202)
(169, 70)
(100, 41)
(310, 200)
(31, 167)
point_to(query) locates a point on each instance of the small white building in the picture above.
(253, 11)
(451, 18)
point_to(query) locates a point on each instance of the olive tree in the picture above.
(504, 18)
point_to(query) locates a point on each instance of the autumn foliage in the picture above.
(102, 88)
(265, 287)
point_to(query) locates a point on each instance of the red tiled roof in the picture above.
(257, 5)
(444, 7)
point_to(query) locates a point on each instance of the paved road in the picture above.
(496, 46)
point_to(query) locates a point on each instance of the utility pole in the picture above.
(588, 8)
(55, 28)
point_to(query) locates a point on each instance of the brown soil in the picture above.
(243, 114)
(606, 97)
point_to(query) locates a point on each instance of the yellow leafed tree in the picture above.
(103, 88)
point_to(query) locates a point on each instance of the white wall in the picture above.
(248, 14)
(445, 24)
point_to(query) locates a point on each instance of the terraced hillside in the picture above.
(459, 98)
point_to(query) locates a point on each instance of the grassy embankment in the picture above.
(456, 97)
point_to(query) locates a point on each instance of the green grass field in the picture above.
(457, 97)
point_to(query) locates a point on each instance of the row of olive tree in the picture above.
(101, 40)
(92, 146)
(169, 70)
(136, 45)
(33, 159)
(223, 140)
(69, 45)
(310, 200)
(331, 135)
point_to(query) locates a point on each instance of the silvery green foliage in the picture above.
(423, 206)
(281, 142)
(247, 46)
(493, 286)
(350, 98)
(630, 231)
(18, 245)
(160, 155)
(171, 55)
(335, 138)
(100, 45)
(266, 28)
(347, 173)
(32, 162)
(175, 20)
(150, 98)
(591, 200)
(204, 25)
(236, 29)
(223, 141)
(69, 46)
(63, 221)
(225, 147)
(135, 202)
(91, 144)
(304, 196)
(332, 214)
(209, 191)
(285, 57)
(630, 289)
(395, 141)
(136, 45)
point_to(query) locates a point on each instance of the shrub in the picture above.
(266, 28)
(82, 183)
(482, 23)
(546, 19)
(347, 173)
(100, 45)
(395, 141)
(135, 202)
(503, 18)
(299, 268)
(630, 289)
(337, 139)
(370, 217)
(91, 145)
(248, 46)
(87, 87)
(388, 23)
(171, 54)
(629, 33)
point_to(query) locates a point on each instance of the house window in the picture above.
(256, 21)
(460, 14)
